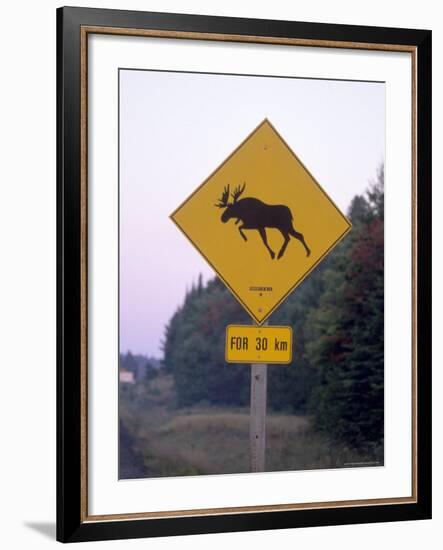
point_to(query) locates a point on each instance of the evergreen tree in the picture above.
(194, 348)
(346, 343)
(150, 372)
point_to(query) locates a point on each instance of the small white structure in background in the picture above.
(127, 377)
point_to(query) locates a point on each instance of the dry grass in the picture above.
(206, 440)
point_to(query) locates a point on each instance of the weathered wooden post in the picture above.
(257, 426)
(258, 346)
(257, 430)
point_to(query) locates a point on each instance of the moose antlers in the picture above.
(238, 191)
(223, 202)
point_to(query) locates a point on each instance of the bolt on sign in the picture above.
(262, 221)
(258, 344)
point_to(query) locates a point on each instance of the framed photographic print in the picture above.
(244, 274)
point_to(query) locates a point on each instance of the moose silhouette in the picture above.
(255, 214)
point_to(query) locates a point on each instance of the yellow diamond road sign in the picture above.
(261, 221)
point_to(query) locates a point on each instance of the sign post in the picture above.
(257, 426)
(263, 223)
(258, 345)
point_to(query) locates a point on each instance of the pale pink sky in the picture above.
(176, 128)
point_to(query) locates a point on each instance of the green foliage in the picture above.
(346, 333)
(289, 387)
(150, 371)
(194, 348)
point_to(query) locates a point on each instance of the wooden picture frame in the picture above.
(74, 26)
